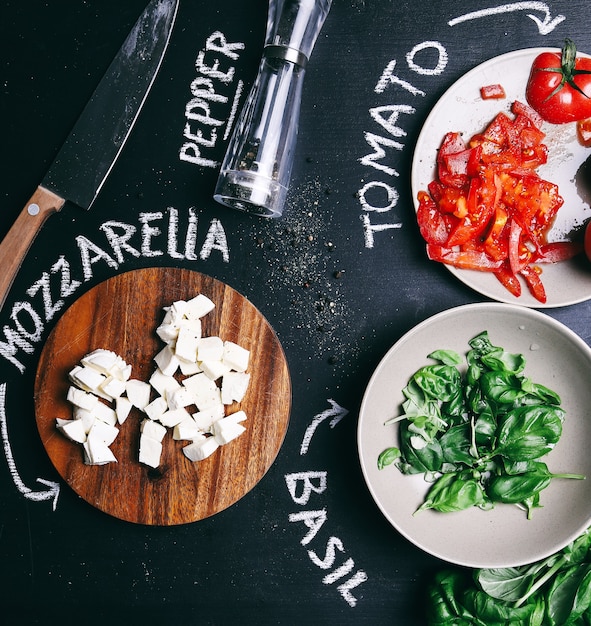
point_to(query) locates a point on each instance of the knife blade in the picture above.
(87, 156)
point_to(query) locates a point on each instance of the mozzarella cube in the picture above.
(168, 333)
(210, 349)
(150, 451)
(234, 386)
(105, 414)
(138, 393)
(152, 429)
(167, 361)
(188, 340)
(105, 432)
(73, 430)
(155, 409)
(100, 359)
(85, 416)
(163, 383)
(188, 368)
(214, 369)
(187, 429)
(81, 398)
(97, 452)
(87, 378)
(225, 430)
(180, 398)
(113, 387)
(174, 417)
(122, 408)
(199, 306)
(201, 448)
(205, 419)
(235, 357)
(204, 390)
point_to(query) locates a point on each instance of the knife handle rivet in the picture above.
(33, 209)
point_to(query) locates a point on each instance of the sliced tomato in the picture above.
(492, 92)
(531, 274)
(558, 251)
(488, 209)
(464, 259)
(509, 280)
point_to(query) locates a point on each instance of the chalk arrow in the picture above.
(335, 412)
(36, 496)
(545, 25)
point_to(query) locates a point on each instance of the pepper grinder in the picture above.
(256, 169)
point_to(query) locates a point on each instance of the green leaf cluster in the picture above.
(477, 430)
(555, 591)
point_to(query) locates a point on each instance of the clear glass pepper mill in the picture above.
(255, 173)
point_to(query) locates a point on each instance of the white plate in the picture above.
(503, 537)
(461, 109)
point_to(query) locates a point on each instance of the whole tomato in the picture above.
(559, 85)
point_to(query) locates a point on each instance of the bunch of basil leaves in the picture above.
(555, 591)
(477, 436)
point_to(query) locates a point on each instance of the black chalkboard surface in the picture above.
(340, 277)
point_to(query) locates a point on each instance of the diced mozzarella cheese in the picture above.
(167, 361)
(138, 393)
(97, 452)
(73, 430)
(152, 429)
(113, 387)
(235, 357)
(187, 429)
(105, 414)
(179, 398)
(163, 383)
(210, 349)
(81, 398)
(201, 448)
(214, 369)
(234, 386)
(168, 332)
(173, 417)
(87, 378)
(188, 340)
(204, 390)
(155, 409)
(85, 416)
(225, 430)
(122, 408)
(205, 419)
(105, 432)
(199, 306)
(150, 451)
(188, 368)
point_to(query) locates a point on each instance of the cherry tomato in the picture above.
(559, 85)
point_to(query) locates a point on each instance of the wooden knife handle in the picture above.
(22, 233)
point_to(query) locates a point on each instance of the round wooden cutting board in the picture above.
(122, 314)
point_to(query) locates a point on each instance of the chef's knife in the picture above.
(90, 151)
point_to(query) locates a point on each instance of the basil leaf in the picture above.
(440, 382)
(447, 357)
(570, 594)
(453, 492)
(517, 488)
(387, 457)
(529, 432)
(503, 388)
(456, 445)
(426, 459)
